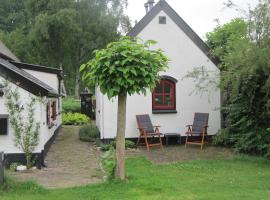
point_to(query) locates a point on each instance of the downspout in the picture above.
(102, 114)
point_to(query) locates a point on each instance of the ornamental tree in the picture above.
(123, 68)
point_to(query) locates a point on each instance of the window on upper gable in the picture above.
(164, 96)
(3, 124)
(162, 20)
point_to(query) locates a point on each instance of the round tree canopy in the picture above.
(126, 66)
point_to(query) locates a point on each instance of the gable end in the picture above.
(162, 5)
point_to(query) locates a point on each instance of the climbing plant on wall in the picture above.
(21, 118)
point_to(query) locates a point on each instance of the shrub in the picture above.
(75, 119)
(109, 162)
(256, 141)
(105, 147)
(128, 144)
(71, 105)
(13, 167)
(89, 133)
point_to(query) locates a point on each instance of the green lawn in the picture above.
(238, 178)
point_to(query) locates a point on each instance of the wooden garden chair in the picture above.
(198, 131)
(148, 132)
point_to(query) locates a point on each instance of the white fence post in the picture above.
(1, 167)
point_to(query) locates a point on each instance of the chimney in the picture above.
(146, 7)
(149, 5)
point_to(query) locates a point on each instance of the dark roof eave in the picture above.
(53, 95)
(40, 68)
(29, 82)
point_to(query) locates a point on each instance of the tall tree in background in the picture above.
(61, 32)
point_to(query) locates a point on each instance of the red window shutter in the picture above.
(54, 110)
(48, 114)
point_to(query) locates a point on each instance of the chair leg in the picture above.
(186, 141)
(138, 141)
(202, 142)
(160, 140)
(146, 142)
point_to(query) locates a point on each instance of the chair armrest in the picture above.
(157, 126)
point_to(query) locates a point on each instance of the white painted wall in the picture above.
(184, 56)
(48, 78)
(7, 141)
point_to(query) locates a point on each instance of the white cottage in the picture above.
(31, 80)
(171, 105)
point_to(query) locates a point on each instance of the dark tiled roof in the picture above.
(162, 5)
(31, 83)
(40, 68)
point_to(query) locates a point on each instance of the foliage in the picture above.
(61, 32)
(222, 39)
(128, 144)
(127, 66)
(106, 147)
(13, 186)
(109, 162)
(75, 119)
(89, 133)
(241, 178)
(72, 105)
(243, 47)
(22, 120)
(13, 166)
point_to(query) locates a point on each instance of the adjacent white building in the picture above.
(31, 81)
(171, 105)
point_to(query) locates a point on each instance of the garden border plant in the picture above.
(75, 119)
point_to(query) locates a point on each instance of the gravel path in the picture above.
(70, 163)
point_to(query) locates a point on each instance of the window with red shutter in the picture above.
(164, 96)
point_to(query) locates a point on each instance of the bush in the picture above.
(128, 144)
(75, 119)
(13, 166)
(105, 147)
(71, 105)
(255, 142)
(109, 162)
(89, 133)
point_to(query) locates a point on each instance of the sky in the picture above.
(199, 14)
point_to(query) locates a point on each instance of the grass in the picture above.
(239, 178)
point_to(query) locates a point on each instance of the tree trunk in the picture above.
(120, 138)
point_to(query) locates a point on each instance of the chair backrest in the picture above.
(144, 121)
(200, 121)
